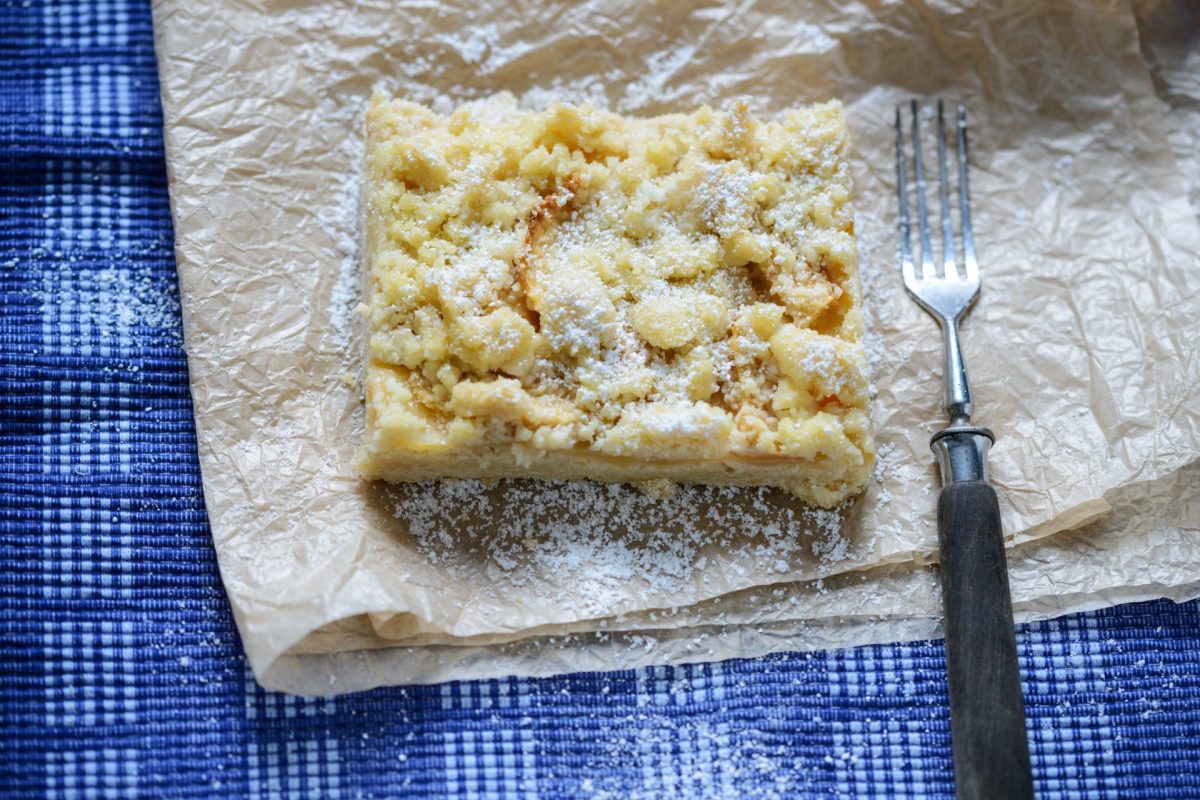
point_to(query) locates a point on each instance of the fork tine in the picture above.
(906, 262)
(927, 269)
(964, 205)
(944, 199)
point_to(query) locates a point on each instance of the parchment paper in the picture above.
(1082, 350)
(1149, 547)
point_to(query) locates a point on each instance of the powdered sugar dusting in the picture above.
(577, 315)
(339, 220)
(724, 197)
(602, 540)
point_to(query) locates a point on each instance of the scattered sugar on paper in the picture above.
(597, 542)
(651, 87)
(884, 456)
(339, 220)
(877, 283)
(590, 91)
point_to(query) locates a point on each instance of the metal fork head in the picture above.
(946, 292)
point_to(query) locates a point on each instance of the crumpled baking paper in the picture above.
(1147, 548)
(1082, 350)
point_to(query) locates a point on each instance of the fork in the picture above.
(987, 716)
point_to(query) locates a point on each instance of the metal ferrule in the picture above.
(961, 452)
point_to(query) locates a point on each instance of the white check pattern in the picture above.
(96, 774)
(85, 23)
(79, 93)
(871, 750)
(1073, 660)
(488, 763)
(308, 765)
(90, 667)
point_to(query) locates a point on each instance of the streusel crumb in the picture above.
(573, 293)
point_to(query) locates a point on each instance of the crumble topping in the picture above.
(676, 289)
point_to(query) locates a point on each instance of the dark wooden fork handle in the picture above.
(987, 716)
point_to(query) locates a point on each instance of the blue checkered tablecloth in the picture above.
(121, 674)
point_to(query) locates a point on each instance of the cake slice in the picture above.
(575, 294)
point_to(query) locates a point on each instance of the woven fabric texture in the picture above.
(121, 674)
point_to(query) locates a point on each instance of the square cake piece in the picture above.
(575, 294)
